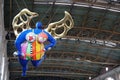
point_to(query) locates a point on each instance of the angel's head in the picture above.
(39, 25)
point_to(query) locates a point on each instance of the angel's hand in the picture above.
(15, 54)
(47, 49)
(18, 54)
(44, 50)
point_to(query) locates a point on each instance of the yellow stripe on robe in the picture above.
(39, 52)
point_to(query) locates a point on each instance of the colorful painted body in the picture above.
(30, 46)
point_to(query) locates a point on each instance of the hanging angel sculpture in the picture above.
(30, 42)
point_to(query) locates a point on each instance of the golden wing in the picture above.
(21, 21)
(66, 23)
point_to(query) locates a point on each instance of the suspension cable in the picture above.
(27, 7)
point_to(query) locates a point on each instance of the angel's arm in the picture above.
(52, 42)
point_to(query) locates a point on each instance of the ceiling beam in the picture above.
(53, 73)
(74, 61)
(81, 55)
(53, 67)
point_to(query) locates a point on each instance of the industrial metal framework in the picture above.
(91, 46)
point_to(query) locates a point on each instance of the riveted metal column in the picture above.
(3, 56)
